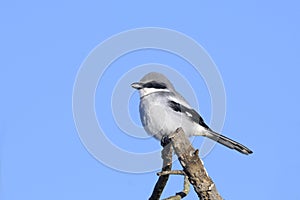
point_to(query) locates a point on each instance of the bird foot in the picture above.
(165, 140)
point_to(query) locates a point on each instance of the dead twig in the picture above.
(166, 155)
(193, 166)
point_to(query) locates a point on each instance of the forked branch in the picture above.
(193, 169)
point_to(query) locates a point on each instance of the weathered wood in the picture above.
(193, 166)
(166, 155)
(184, 192)
(193, 169)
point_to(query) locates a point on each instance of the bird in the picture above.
(163, 110)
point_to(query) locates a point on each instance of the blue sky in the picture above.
(255, 46)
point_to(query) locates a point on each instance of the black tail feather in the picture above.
(228, 142)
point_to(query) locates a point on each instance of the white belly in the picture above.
(159, 120)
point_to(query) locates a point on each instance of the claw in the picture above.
(165, 140)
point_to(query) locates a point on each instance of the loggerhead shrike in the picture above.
(163, 110)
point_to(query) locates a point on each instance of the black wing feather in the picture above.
(191, 113)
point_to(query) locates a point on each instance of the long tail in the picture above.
(228, 142)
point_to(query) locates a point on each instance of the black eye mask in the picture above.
(154, 84)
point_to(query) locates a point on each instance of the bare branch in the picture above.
(193, 166)
(173, 172)
(185, 191)
(166, 155)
